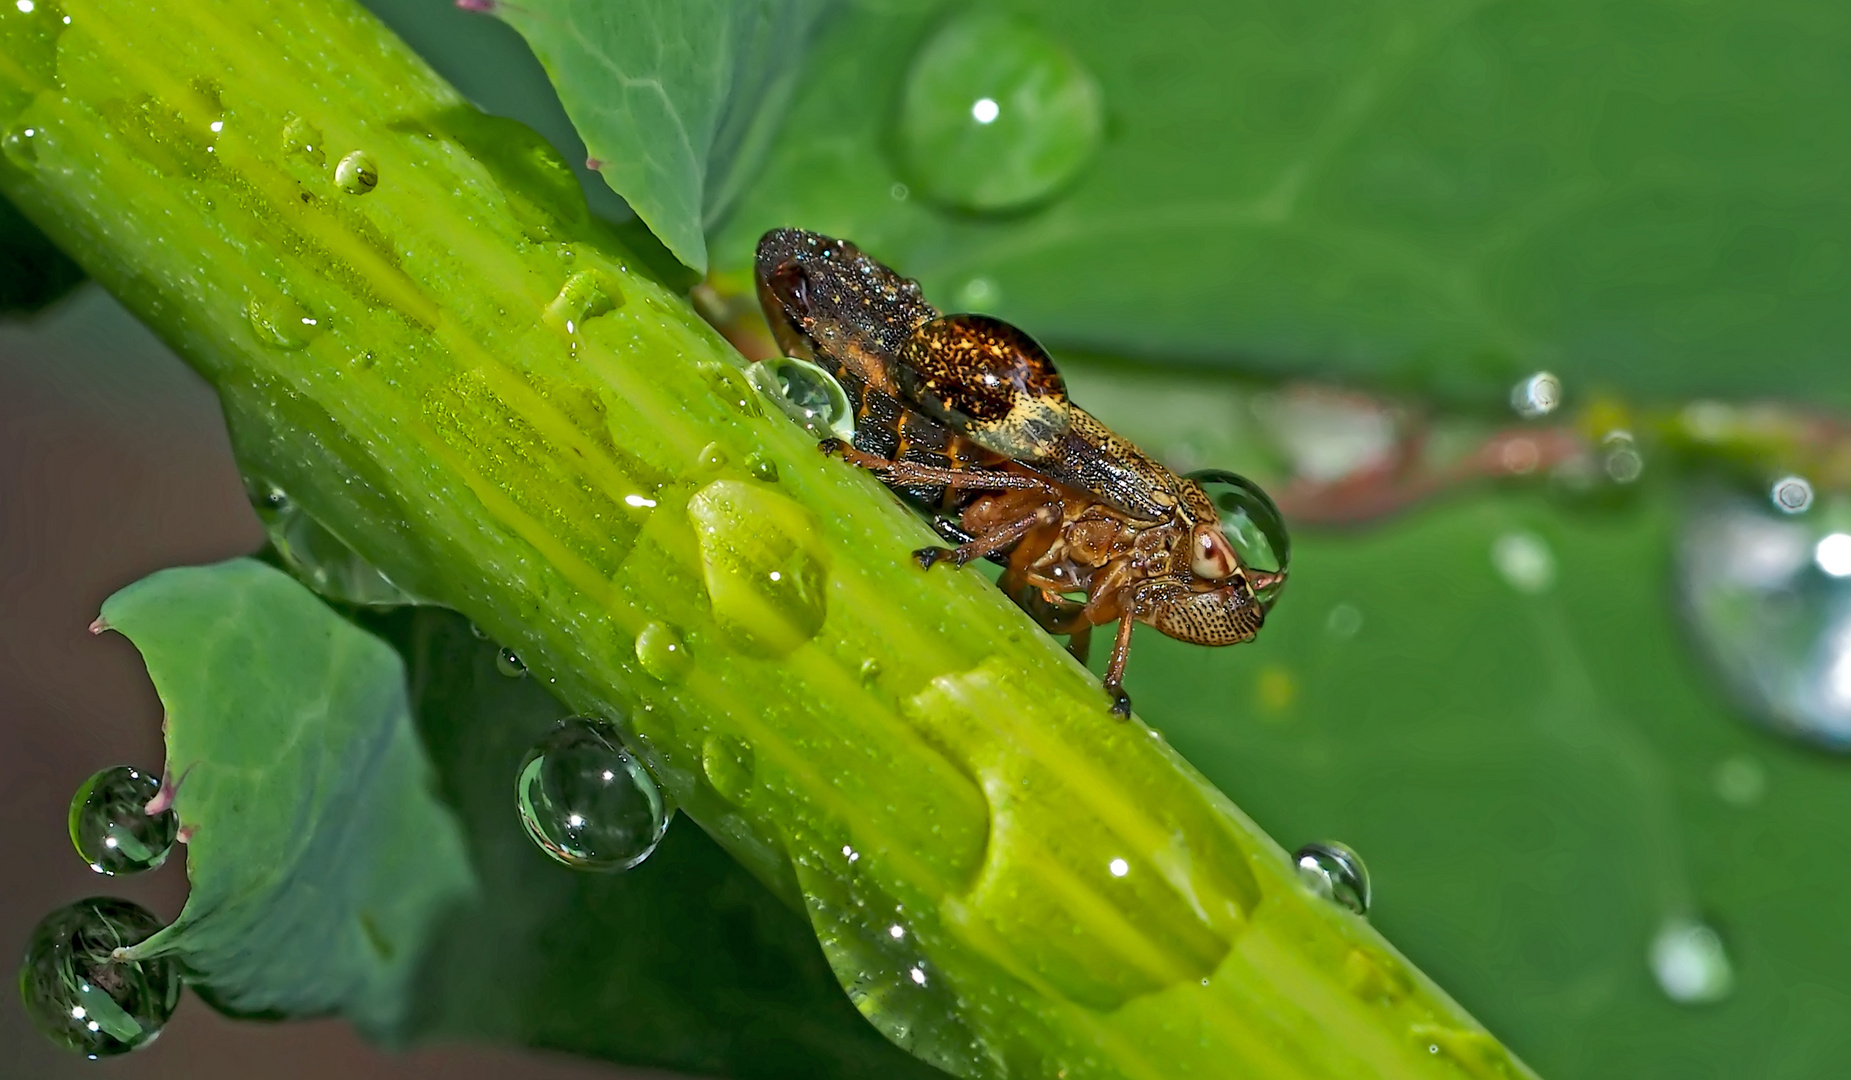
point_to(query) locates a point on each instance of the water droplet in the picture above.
(978, 294)
(29, 35)
(807, 394)
(1375, 978)
(713, 456)
(870, 671)
(509, 664)
(1536, 396)
(1344, 622)
(111, 827)
(586, 801)
(899, 192)
(281, 323)
(732, 387)
(996, 114)
(1688, 960)
(1620, 458)
(1525, 561)
(764, 571)
(317, 557)
(762, 467)
(356, 174)
(661, 652)
(585, 295)
(728, 764)
(1335, 872)
(84, 998)
(303, 139)
(1252, 525)
(21, 146)
(1740, 780)
(1791, 495)
(1767, 596)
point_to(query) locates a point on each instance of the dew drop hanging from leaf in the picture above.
(111, 827)
(586, 802)
(81, 995)
(1335, 872)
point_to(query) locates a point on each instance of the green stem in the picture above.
(471, 383)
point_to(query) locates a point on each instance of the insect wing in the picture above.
(988, 381)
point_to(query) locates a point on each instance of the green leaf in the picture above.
(1443, 196)
(319, 854)
(677, 101)
(685, 962)
(33, 271)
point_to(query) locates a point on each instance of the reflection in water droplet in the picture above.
(807, 394)
(281, 323)
(111, 827)
(996, 114)
(1335, 872)
(356, 174)
(1536, 396)
(728, 764)
(1740, 781)
(83, 998)
(1525, 561)
(1689, 962)
(509, 663)
(1791, 494)
(317, 557)
(21, 146)
(661, 652)
(1768, 598)
(763, 569)
(762, 467)
(586, 802)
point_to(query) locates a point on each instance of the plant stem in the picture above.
(459, 372)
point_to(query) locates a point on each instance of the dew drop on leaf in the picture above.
(281, 323)
(111, 827)
(729, 765)
(996, 114)
(1335, 872)
(661, 652)
(21, 145)
(508, 662)
(586, 801)
(356, 174)
(84, 998)
(807, 394)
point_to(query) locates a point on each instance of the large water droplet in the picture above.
(586, 802)
(281, 323)
(764, 571)
(807, 394)
(317, 557)
(356, 174)
(1767, 596)
(1252, 525)
(111, 827)
(1335, 872)
(80, 995)
(661, 652)
(728, 764)
(1690, 963)
(996, 114)
(1536, 396)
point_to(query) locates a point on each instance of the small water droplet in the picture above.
(978, 294)
(732, 387)
(1536, 396)
(1740, 780)
(764, 572)
(111, 827)
(807, 394)
(21, 146)
(29, 33)
(1525, 561)
(997, 114)
(1690, 963)
(713, 456)
(661, 652)
(870, 671)
(80, 995)
(1335, 872)
(728, 763)
(509, 664)
(317, 557)
(1620, 458)
(586, 802)
(900, 192)
(280, 322)
(762, 467)
(356, 174)
(585, 295)
(1791, 495)
(303, 139)
(1344, 622)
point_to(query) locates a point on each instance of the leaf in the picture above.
(685, 962)
(33, 271)
(1439, 195)
(319, 854)
(1536, 781)
(676, 100)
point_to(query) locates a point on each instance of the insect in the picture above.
(967, 418)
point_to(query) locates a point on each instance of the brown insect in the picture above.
(967, 418)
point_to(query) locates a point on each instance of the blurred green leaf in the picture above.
(33, 271)
(319, 854)
(677, 101)
(1638, 195)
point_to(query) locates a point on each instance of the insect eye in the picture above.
(792, 287)
(1213, 557)
(1252, 528)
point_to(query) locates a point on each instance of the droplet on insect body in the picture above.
(80, 995)
(661, 652)
(586, 801)
(1536, 396)
(996, 114)
(1690, 964)
(807, 394)
(111, 827)
(356, 174)
(508, 662)
(1335, 872)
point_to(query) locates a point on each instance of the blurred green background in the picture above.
(1567, 678)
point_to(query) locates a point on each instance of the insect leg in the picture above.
(995, 540)
(912, 472)
(1115, 668)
